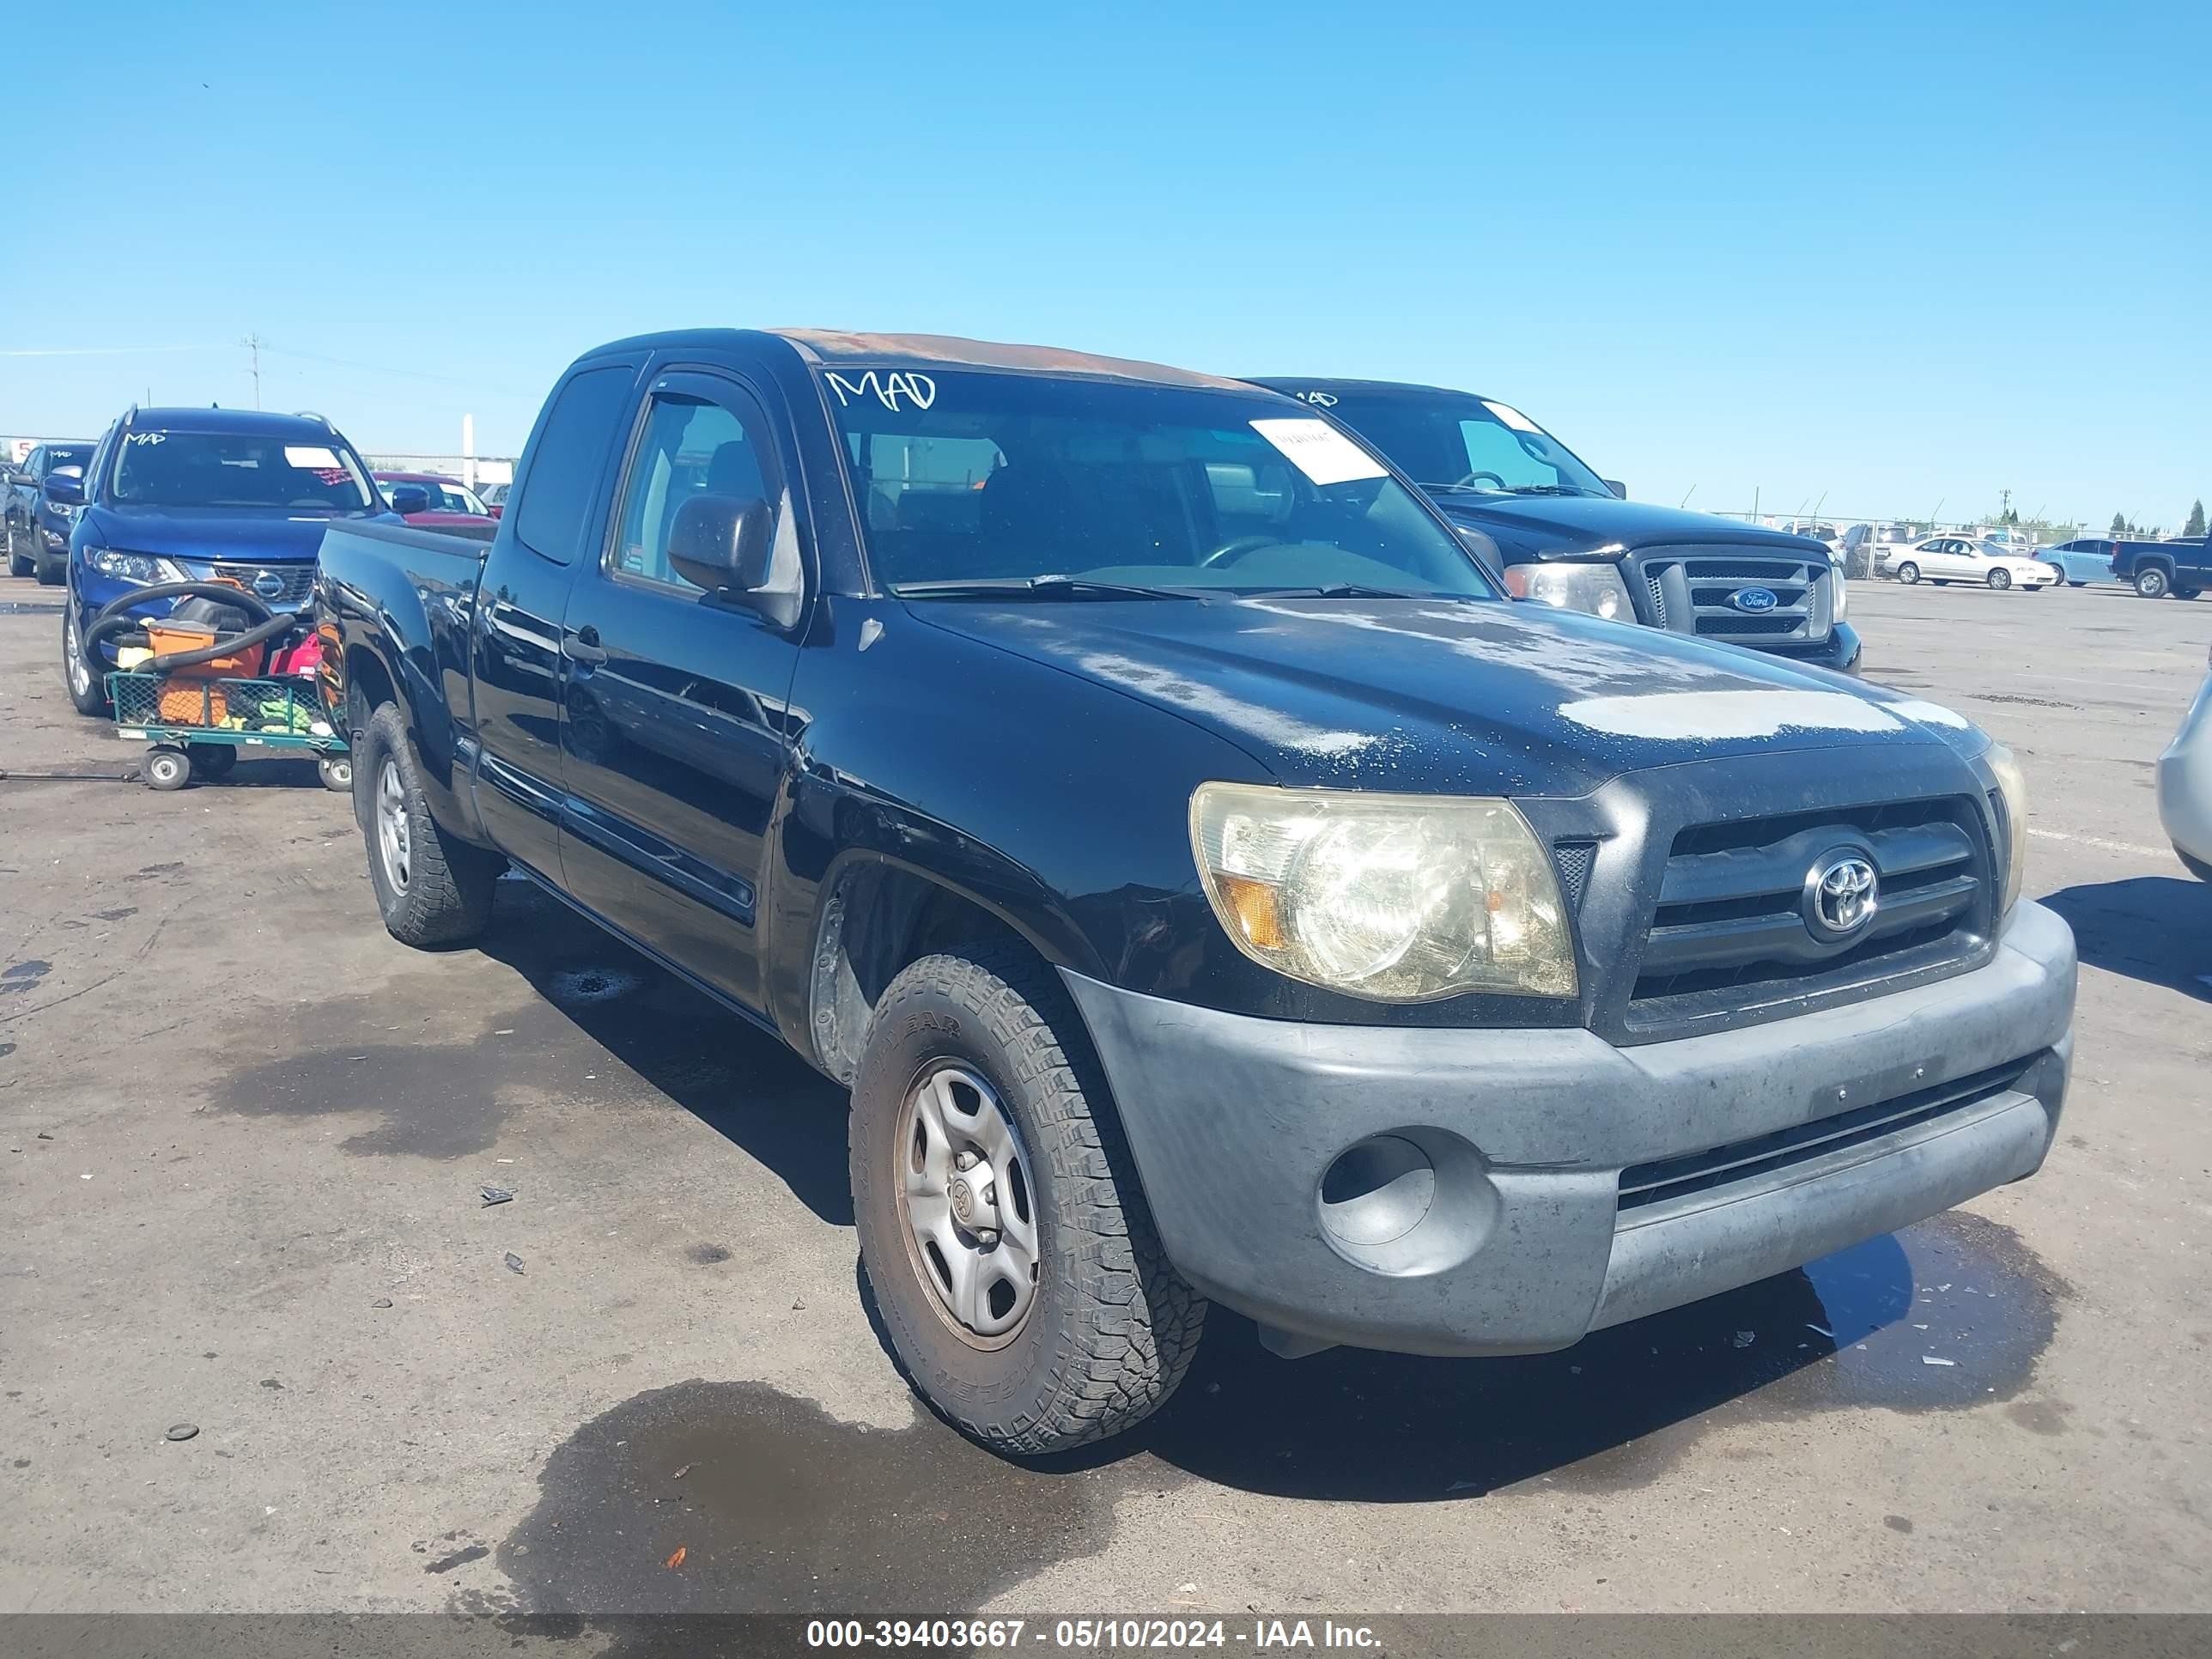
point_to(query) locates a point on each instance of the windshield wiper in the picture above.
(1344, 591)
(1042, 588)
(1504, 489)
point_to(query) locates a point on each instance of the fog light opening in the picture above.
(1377, 1190)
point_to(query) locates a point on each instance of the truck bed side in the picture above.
(401, 601)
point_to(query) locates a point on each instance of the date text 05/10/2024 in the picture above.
(1089, 1635)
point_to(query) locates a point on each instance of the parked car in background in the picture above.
(1944, 559)
(38, 525)
(2154, 569)
(1868, 547)
(2083, 560)
(1399, 967)
(431, 498)
(2184, 785)
(1566, 538)
(202, 495)
(494, 497)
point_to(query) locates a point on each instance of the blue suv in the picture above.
(203, 495)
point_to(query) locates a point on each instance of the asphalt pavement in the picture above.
(243, 1137)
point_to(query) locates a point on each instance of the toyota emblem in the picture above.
(1842, 893)
(1754, 599)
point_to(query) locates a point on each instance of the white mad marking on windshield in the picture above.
(919, 390)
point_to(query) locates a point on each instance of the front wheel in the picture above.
(2000, 579)
(1908, 572)
(167, 768)
(1020, 1283)
(2152, 584)
(432, 888)
(20, 564)
(87, 692)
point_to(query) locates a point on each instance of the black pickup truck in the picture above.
(2156, 569)
(1209, 886)
(1567, 537)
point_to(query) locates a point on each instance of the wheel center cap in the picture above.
(970, 1207)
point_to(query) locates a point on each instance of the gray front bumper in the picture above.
(1233, 1121)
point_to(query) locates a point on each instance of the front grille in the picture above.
(1693, 590)
(1730, 932)
(1647, 1184)
(297, 580)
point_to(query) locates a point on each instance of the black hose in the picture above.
(116, 616)
(229, 645)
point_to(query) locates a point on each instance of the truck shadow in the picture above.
(2155, 928)
(740, 1082)
(1949, 1314)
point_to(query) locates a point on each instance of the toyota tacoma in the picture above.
(1209, 885)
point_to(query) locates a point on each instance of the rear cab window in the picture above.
(553, 517)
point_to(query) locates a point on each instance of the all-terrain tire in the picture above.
(445, 897)
(1113, 1326)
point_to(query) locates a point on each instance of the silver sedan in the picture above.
(2184, 785)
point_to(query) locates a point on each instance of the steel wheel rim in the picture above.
(970, 1227)
(80, 677)
(393, 844)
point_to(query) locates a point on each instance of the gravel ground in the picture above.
(243, 1135)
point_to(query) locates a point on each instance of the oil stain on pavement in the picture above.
(774, 1506)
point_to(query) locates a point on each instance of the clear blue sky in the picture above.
(1887, 254)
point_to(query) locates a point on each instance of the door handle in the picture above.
(583, 647)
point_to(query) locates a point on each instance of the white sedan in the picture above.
(1962, 559)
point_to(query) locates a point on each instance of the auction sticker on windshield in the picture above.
(308, 456)
(1320, 451)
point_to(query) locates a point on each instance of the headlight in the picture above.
(131, 567)
(1398, 898)
(2012, 784)
(1596, 588)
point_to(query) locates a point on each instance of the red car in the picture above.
(446, 500)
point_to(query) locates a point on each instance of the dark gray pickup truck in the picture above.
(1209, 885)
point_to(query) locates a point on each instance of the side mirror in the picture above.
(63, 488)
(1619, 490)
(410, 498)
(721, 544)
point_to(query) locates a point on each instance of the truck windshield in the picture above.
(983, 481)
(1450, 441)
(229, 469)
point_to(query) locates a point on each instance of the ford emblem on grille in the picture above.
(1753, 599)
(267, 584)
(1842, 893)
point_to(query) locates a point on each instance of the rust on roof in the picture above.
(829, 345)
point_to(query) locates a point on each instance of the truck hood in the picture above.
(1426, 696)
(214, 532)
(1574, 524)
